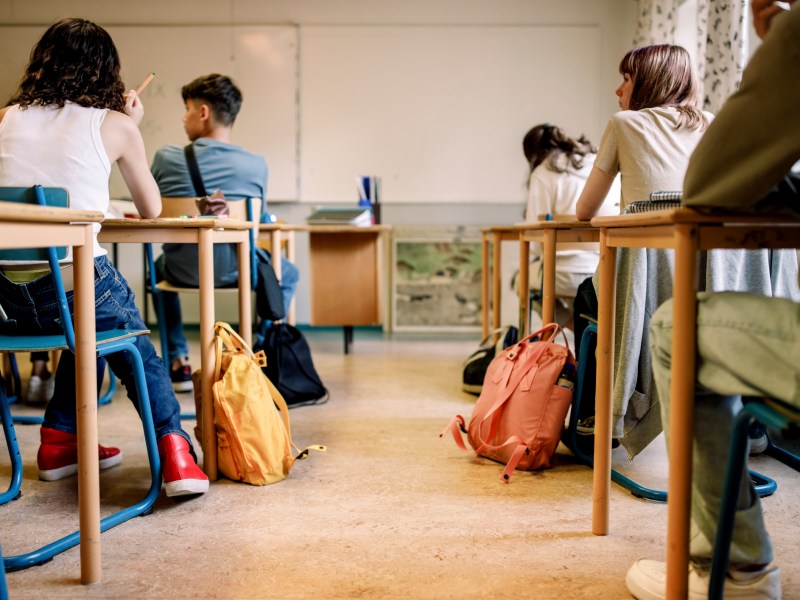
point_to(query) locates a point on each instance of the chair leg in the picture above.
(14, 385)
(158, 303)
(112, 388)
(13, 491)
(3, 585)
(727, 510)
(143, 507)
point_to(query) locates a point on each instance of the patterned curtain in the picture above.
(721, 41)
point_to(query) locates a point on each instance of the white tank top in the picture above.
(58, 147)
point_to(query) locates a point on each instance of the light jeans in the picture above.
(747, 345)
(566, 288)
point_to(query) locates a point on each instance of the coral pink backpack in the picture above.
(519, 417)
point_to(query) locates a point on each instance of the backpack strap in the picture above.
(194, 170)
(456, 427)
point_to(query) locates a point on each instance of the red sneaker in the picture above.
(58, 455)
(182, 476)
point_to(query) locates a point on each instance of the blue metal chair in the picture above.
(776, 415)
(3, 586)
(108, 342)
(765, 486)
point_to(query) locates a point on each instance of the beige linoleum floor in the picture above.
(391, 511)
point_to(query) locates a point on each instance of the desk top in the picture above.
(177, 223)
(16, 211)
(675, 216)
(562, 222)
(324, 228)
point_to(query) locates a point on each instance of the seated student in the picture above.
(68, 122)
(746, 151)
(212, 104)
(559, 166)
(647, 143)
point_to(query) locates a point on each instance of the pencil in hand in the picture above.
(144, 83)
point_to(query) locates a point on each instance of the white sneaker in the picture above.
(40, 390)
(647, 580)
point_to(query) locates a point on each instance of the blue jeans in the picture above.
(33, 306)
(177, 347)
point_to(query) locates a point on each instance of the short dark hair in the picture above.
(74, 61)
(221, 94)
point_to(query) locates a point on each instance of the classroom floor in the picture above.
(391, 511)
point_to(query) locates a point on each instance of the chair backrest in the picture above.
(44, 197)
(245, 210)
(58, 197)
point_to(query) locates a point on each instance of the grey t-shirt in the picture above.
(239, 174)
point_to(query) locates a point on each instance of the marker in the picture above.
(144, 83)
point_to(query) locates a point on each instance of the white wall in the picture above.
(612, 20)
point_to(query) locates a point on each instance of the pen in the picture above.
(144, 83)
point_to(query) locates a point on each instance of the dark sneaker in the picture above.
(181, 378)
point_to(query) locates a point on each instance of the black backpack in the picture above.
(289, 366)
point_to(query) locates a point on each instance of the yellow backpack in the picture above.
(254, 441)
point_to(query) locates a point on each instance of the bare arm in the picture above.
(125, 146)
(593, 194)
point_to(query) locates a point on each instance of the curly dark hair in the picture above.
(547, 141)
(221, 94)
(75, 61)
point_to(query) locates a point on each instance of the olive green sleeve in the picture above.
(755, 138)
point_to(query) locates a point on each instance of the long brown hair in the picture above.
(74, 61)
(663, 75)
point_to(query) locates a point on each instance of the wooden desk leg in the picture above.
(524, 286)
(245, 291)
(681, 410)
(484, 285)
(604, 397)
(549, 283)
(290, 256)
(205, 251)
(86, 406)
(497, 280)
(276, 252)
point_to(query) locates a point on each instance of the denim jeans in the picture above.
(33, 306)
(747, 345)
(177, 347)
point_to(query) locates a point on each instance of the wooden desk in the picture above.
(687, 232)
(205, 232)
(345, 275)
(567, 234)
(28, 226)
(492, 238)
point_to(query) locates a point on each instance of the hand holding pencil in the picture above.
(133, 105)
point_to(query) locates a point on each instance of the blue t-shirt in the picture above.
(238, 173)
(232, 169)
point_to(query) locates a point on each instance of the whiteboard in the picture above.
(439, 112)
(261, 59)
